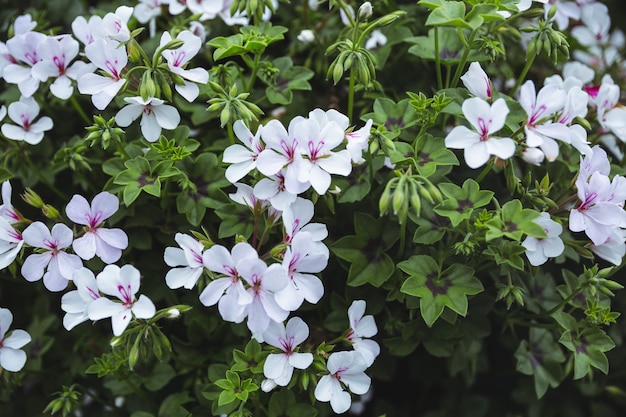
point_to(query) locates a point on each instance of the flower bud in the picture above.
(50, 212)
(306, 36)
(32, 198)
(365, 11)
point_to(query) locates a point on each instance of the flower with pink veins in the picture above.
(154, 116)
(477, 82)
(319, 161)
(76, 303)
(228, 291)
(346, 369)
(23, 49)
(297, 217)
(357, 142)
(177, 60)
(88, 31)
(538, 250)
(111, 58)
(7, 211)
(11, 243)
(107, 244)
(613, 249)
(122, 283)
(361, 329)
(281, 152)
(115, 25)
(23, 113)
(273, 190)
(540, 108)
(480, 144)
(56, 54)
(595, 214)
(242, 158)
(301, 261)
(263, 283)
(596, 25)
(187, 260)
(12, 357)
(54, 264)
(279, 367)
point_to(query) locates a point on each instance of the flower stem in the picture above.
(522, 74)
(350, 93)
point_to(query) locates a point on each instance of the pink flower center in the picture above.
(126, 295)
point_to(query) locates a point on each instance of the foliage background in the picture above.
(465, 368)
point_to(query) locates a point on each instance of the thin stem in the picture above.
(438, 60)
(79, 109)
(522, 75)
(351, 93)
(486, 170)
(466, 52)
(254, 68)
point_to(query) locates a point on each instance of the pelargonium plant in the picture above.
(310, 208)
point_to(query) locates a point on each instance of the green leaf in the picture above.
(437, 290)
(541, 356)
(588, 346)
(431, 153)
(449, 13)
(462, 200)
(514, 222)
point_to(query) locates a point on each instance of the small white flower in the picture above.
(12, 358)
(538, 250)
(154, 116)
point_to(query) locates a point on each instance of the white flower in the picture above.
(154, 116)
(11, 243)
(76, 303)
(110, 57)
(479, 145)
(177, 60)
(477, 82)
(24, 113)
(345, 369)
(188, 259)
(538, 250)
(12, 358)
(306, 36)
(279, 367)
(362, 328)
(122, 283)
(242, 158)
(376, 39)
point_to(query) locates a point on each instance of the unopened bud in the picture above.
(50, 212)
(365, 11)
(32, 198)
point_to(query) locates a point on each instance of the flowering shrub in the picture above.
(308, 208)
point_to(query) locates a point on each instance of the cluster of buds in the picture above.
(407, 191)
(546, 39)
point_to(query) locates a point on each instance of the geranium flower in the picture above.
(279, 367)
(110, 57)
(177, 60)
(538, 250)
(477, 82)
(242, 158)
(76, 303)
(154, 116)
(7, 211)
(23, 113)
(122, 283)
(187, 259)
(88, 31)
(116, 24)
(11, 243)
(106, 243)
(345, 369)
(300, 263)
(479, 145)
(23, 49)
(12, 358)
(263, 283)
(56, 55)
(228, 292)
(362, 328)
(58, 265)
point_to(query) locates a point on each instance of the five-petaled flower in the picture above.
(23, 113)
(279, 366)
(12, 357)
(60, 265)
(188, 262)
(122, 283)
(106, 243)
(155, 115)
(479, 145)
(76, 303)
(345, 369)
(361, 328)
